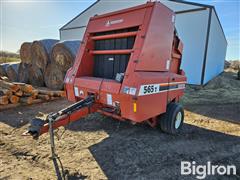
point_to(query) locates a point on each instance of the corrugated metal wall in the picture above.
(216, 53)
(192, 29)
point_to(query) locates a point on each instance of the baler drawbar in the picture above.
(61, 118)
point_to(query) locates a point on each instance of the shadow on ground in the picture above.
(140, 152)
(20, 116)
(224, 112)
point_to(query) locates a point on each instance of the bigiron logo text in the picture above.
(202, 171)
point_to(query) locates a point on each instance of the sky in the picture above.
(28, 20)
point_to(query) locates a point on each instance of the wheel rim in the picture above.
(178, 120)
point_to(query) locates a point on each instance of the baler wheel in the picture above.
(172, 121)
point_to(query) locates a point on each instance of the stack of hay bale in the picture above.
(43, 63)
(10, 70)
(63, 55)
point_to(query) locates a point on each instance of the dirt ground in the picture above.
(99, 147)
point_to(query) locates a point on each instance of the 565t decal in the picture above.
(149, 89)
(157, 88)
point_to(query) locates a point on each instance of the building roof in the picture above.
(65, 27)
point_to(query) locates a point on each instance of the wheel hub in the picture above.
(178, 120)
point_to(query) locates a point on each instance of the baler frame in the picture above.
(153, 81)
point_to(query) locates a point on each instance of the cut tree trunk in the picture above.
(12, 71)
(33, 94)
(54, 77)
(26, 100)
(36, 77)
(4, 78)
(5, 92)
(64, 54)
(44, 97)
(41, 52)
(25, 53)
(3, 100)
(19, 93)
(53, 93)
(10, 86)
(25, 87)
(14, 99)
(46, 92)
(23, 73)
(59, 93)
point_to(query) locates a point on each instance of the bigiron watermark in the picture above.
(209, 169)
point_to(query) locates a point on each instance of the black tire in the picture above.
(168, 121)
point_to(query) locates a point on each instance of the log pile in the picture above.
(43, 63)
(13, 94)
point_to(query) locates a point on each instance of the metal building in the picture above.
(197, 25)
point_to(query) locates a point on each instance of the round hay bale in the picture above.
(25, 53)
(41, 52)
(23, 73)
(3, 68)
(12, 71)
(54, 77)
(64, 54)
(36, 77)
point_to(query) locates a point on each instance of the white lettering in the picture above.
(221, 170)
(185, 168)
(201, 171)
(234, 170)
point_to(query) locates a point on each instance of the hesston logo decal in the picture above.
(109, 23)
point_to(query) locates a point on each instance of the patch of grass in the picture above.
(8, 59)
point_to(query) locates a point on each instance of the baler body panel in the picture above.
(157, 47)
(140, 43)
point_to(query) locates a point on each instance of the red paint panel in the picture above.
(110, 86)
(158, 40)
(124, 51)
(63, 121)
(111, 36)
(129, 18)
(90, 83)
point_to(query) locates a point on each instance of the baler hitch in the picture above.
(61, 118)
(54, 120)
